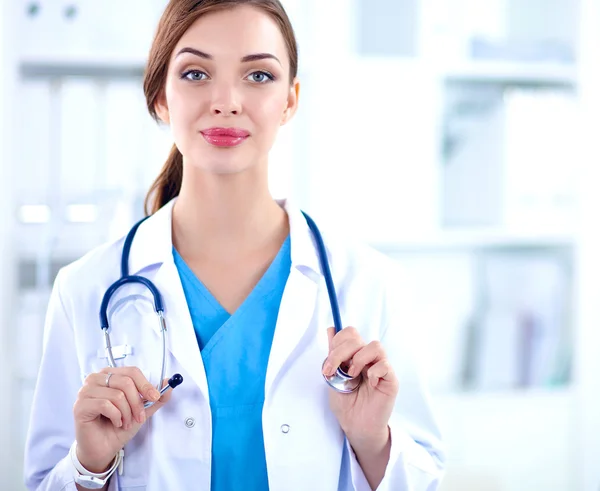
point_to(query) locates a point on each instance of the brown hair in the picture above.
(177, 18)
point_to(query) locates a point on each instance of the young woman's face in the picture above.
(228, 90)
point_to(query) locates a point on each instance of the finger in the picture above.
(381, 370)
(86, 410)
(368, 355)
(118, 399)
(344, 335)
(330, 336)
(160, 403)
(342, 353)
(142, 384)
(127, 386)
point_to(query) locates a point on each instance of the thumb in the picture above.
(166, 397)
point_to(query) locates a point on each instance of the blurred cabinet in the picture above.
(52, 30)
(372, 137)
(511, 133)
(388, 28)
(83, 152)
(510, 160)
(9, 459)
(456, 125)
(430, 115)
(506, 30)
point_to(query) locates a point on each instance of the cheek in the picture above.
(268, 113)
(183, 111)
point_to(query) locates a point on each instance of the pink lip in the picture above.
(225, 137)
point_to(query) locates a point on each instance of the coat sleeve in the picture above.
(417, 456)
(51, 428)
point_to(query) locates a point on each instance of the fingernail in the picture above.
(153, 395)
(142, 416)
(352, 371)
(327, 368)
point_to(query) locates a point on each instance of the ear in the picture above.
(161, 108)
(292, 102)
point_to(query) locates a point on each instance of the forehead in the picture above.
(236, 32)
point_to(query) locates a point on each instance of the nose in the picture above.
(225, 101)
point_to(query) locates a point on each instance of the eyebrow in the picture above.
(245, 59)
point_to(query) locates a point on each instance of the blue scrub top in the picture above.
(235, 350)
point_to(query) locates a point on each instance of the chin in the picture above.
(222, 161)
(224, 166)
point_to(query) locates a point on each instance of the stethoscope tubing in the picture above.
(340, 381)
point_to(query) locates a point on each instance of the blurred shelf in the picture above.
(97, 66)
(478, 239)
(511, 73)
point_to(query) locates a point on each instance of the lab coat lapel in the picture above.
(153, 245)
(181, 338)
(300, 296)
(295, 314)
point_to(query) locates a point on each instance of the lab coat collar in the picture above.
(153, 246)
(304, 251)
(153, 243)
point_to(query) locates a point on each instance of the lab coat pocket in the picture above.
(135, 341)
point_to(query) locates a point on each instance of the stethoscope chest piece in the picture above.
(342, 382)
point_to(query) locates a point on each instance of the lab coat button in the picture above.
(285, 428)
(190, 422)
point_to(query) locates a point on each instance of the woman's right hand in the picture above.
(106, 418)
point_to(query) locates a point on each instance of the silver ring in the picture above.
(108, 379)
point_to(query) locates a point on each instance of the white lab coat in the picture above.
(173, 450)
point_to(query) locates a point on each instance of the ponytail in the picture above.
(167, 185)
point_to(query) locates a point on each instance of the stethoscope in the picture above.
(340, 380)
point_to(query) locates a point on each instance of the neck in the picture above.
(226, 217)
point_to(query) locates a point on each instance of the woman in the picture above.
(245, 302)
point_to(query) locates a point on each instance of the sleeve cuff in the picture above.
(357, 476)
(404, 452)
(61, 478)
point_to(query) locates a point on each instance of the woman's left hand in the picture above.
(365, 413)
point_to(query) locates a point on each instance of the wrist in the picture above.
(85, 478)
(95, 466)
(371, 442)
(373, 454)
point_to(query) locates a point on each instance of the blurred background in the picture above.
(470, 154)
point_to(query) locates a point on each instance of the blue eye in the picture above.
(194, 75)
(261, 77)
